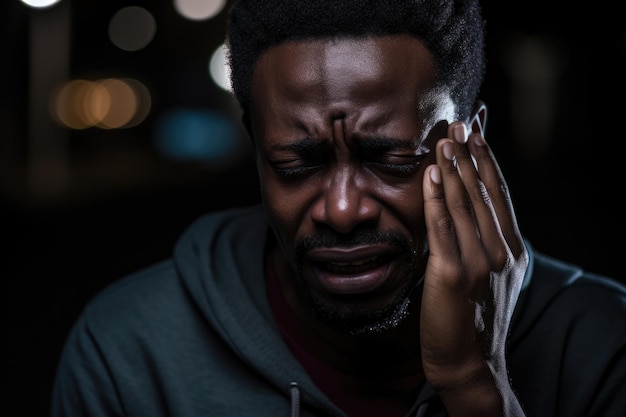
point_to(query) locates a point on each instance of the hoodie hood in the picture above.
(220, 258)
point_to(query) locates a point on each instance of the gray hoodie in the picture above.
(194, 336)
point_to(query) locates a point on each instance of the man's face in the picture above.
(343, 130)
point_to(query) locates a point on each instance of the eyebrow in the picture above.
(373, 143)
(378, 142)
(306, 144)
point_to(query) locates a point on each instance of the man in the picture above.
(383, 275)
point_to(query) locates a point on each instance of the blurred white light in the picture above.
(40, 3)
(199, 9)
(219, 69)
(132, 28)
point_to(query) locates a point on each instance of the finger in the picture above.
(442, 241)
(486, 219)
(460, 207)
(443, 305)
(447, 328)
(498, 191)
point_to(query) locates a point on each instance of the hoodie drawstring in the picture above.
(421, 410)
(294, 393)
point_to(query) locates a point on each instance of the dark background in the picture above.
(555, 90)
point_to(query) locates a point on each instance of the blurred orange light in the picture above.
(110, 103)
(96, 103)
(144, 101)
(67, 104)
(123, 104)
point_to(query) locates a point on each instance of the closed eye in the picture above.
(298, 159)
(399, 166)
(397, 157)
(295, 171)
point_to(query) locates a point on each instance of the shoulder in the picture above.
(133, 298)
(160, 295)
(567, 346)
(554, 281)
(558, 293)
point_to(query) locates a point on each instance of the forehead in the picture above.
(374, 78)
(368, 58)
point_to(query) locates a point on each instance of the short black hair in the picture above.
(453, 30)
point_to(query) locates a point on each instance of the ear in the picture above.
(478, 122)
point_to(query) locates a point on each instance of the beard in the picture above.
(349, 314)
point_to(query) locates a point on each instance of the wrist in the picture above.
(485, 392)
(475, 395)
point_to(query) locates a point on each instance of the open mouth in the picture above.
(353, 267)
(355, 272)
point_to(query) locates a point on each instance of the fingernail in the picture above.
(459, 133)
(448, 151)
(435, 174)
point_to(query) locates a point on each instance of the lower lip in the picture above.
(353, 283)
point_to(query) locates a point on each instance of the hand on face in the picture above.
(475, 268)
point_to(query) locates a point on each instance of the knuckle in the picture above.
(462, 205)
(445, 227)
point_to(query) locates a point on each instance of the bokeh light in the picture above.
(199, 9)
(132, 28)
(203, 135)
(111, 103)
(219, 69)
(126, 103)
(144, 101)
(40, 4)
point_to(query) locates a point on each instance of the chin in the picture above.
(358, 316)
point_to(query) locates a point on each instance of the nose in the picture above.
(345, 204)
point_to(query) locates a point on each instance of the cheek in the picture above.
(286, 207)
(404, 204)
